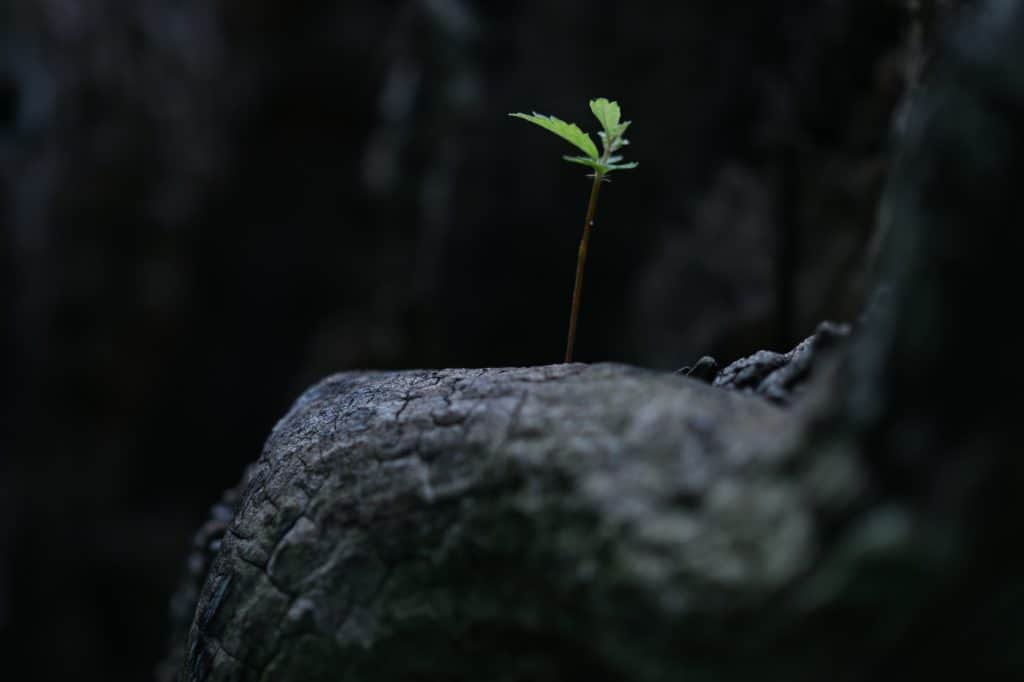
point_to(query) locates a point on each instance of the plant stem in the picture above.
(581, 261)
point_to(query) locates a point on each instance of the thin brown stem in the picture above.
(581, 261)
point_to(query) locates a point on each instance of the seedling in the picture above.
(603, 164)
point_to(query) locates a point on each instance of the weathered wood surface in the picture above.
(540, 518)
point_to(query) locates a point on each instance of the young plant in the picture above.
(603, 164)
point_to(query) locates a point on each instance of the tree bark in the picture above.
(531, 522)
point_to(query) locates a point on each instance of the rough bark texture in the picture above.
(778, 376)
(550, 521)
(604, 522)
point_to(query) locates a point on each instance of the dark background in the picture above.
(206, 205)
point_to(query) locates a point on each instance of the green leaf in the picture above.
(588, 162)
(602, 168)
(617, 142)
(608, 113)
(569, 132)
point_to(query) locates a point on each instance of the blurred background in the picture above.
(207, 205)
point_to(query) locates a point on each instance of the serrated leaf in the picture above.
(608, 113)
(569, 132)
(588, 162)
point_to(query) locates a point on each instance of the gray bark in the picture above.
(547, 520)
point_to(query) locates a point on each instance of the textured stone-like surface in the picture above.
(780, 377)
(591, 515)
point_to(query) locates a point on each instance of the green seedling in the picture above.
(602, 164)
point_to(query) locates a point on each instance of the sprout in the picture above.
(612, 140)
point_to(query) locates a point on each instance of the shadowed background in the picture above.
(208, 205)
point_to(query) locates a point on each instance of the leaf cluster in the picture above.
(609, 115)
